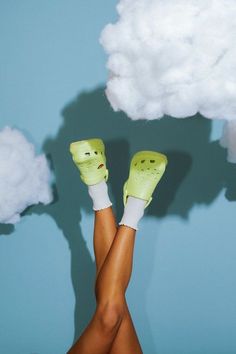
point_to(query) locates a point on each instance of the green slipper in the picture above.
(146, 170)
(89, 157)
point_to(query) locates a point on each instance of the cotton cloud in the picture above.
(174, 57)
(24, 177)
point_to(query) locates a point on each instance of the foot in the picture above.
(89, 157)
(146, 170)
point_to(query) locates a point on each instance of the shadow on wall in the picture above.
(197, 172)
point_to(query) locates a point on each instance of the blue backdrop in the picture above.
(183, 289)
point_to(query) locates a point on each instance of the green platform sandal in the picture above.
(146, 170)
(89, 157)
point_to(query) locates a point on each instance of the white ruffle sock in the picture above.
(99, 194)
(133, 212)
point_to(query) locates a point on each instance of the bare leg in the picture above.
(105, 228)
(111, 284)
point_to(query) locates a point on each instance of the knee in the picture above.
(110, 316)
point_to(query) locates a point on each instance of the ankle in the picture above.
(99, 195)
(133, 212)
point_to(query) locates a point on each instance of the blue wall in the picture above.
(183, 289)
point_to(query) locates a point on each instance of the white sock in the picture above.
(133, 212)
(99, 194)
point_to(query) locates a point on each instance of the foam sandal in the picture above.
(89, 157)
(146, 170)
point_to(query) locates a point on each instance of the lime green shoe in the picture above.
(89, 157)
(146, 170)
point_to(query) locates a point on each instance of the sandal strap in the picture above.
(126, 195)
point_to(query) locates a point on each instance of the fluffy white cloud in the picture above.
(24, 177)
(174, 57)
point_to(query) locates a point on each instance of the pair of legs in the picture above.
(111, 329)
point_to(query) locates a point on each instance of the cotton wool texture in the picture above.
(24, 177)
(174, 57)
